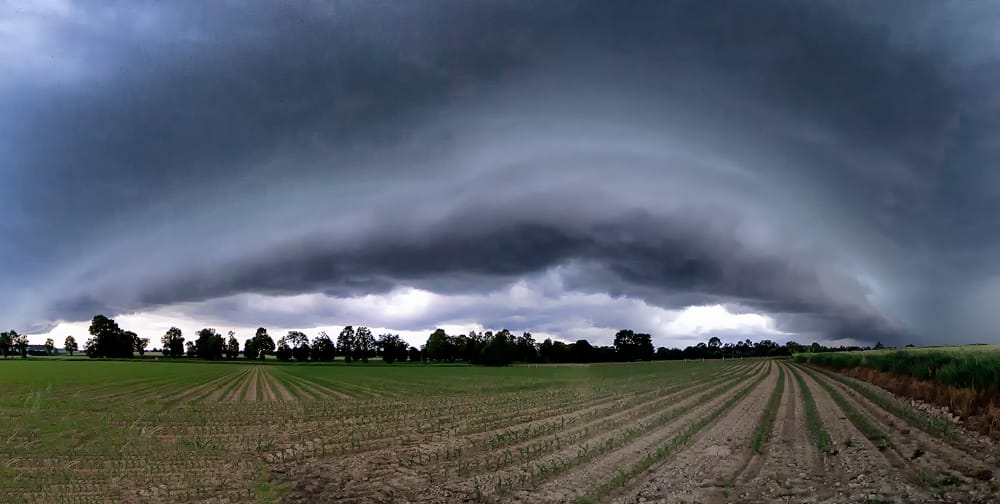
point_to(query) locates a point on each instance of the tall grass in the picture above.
(974, 367)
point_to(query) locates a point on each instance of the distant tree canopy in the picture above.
(173, 343)
(632, 346)
(485, 348)
(109, 340)
(345, 343)
(209, 345)
(323, 348)
(6, 342)
(70, 345)
(260, 346)
(392, 348)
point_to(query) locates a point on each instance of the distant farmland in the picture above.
(750, 430)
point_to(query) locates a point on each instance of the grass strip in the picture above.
(931, 425)
(670, 447)
(813, 420)
(770, 412)
(863, 424)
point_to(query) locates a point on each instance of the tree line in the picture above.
(359, 344)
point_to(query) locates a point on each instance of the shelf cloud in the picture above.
(822, 168)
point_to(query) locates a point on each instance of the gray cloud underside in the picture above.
(823, 162)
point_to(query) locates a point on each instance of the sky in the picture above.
(809, 171)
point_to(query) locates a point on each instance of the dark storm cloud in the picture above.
(668, 261)
(807, 159)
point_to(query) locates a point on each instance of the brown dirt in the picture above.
(926, 456)
(389, 480)
(858, 468)
(250, 394)
(587, 476)
(790, 468)
(978, 409)
(967, 441)
(265, 384)
(715, 466)
(707, 466)
(279, 389)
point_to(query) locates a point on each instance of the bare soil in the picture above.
(424, 463)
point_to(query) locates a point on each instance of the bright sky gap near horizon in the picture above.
(789, 170)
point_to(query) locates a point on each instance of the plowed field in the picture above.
(723, 431)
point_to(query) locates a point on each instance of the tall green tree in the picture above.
(364, 344)
(138, 344)
(345, 343)
(109, 339)
(70, 345)
(21, 343)
(232, 349)
(438, 347)
(173, 343)
(499, 351)
(631, 346)
(524, 348)
(209, 344)
(299, 343)
(6, 342)
(249, 351)
(392, 347)
(323, 348)
(50, 346)
(262, 343)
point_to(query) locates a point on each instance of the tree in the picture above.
(438, 346)
(414, 354)
(299, 343)
(138, 344)
(322, 348)
(283, 352)
(6, 341)
(262, 343)
(50, 346)
(393, 348)
(499, 351)
(582, 351)
(21, 343)
(232, 349)
(364, 344)
(209, 345)
(109, 339)
(525, 350)
(249, 351)
(632, 346)
(70, 345)
(190, 350)
(345, 343)
(173, 343)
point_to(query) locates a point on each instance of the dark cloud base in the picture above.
(211, 153)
